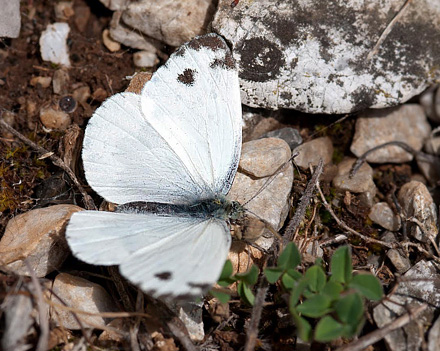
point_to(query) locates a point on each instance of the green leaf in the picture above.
(340, 266)
(328, 329)
(352, 329)
(294, 274)
(350, 309)
(245, 293)
(297, 292)
(221, 296)
(250, 277)
(290, 257)
(288, 281)
(367, 285)
(332, 290)
(304, 329)
(225, 277)
(317, 278)
(273, 274)
(315, 307)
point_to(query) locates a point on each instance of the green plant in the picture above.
(323, 306)
(245, 282)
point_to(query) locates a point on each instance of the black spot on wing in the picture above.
(187, 77)
(164, 275)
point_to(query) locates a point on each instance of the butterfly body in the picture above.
(219, 208)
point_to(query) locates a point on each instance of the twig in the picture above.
(304, 201)
(347, 228)
(89, 204)
(252, 331)
(422, 250)
(387, 30)
(43, 340)
(175, 326)
(363, 342)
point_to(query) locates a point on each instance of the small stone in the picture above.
(263, 126)
(388, 237)
(64, 10)
(290, 135)
(271, 204)
(60, 82)
(38, 237)
(145, 59)
(402, 264)
(260, 158)
(82, 15)
(312, 151)
(44, 82)
(382, 214)
(361, 182)
(31, 108)
(411, 292)
(417, 203)
(53, 44)
(10, 19)
(406, 123)
(109, 43)
(53, 118)
(172, 22)
(190, 313)
(82, 295)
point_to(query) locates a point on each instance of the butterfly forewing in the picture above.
(179, 141)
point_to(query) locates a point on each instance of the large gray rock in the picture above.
(331, 56)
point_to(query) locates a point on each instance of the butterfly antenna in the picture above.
(271, 178)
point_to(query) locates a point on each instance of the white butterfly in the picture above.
(177, 147)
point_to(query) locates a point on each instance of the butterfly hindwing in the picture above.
(163, 255)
